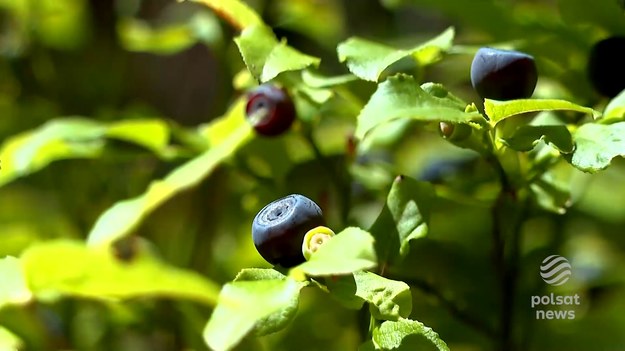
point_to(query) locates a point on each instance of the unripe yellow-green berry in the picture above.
(314, 239)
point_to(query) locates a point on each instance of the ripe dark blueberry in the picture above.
(279, 228)
(503, 74)
(605, 66)
(270, 110)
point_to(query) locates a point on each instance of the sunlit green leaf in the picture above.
(327, 27)
(9, 341)
(126, 215)
(551, 195)
(58, 139)
(263, 305)
(75, 138)
(284, 58)
(525, 138)
(404, 217)
(500, 110)
(403, 334)
(13, 288)
(367, 59)
(402, 97)
(615, 110)
(236, 12)
(266, 57)
(62, 267)
(349, 251)
(388, 299)
(596, 145)
(251, 274)
(316, 80)
(138, 35)
(153, 134)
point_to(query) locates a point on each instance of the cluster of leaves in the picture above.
(523, 139)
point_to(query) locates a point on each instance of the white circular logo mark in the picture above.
(555, 270)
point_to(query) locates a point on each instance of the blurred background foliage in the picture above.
(176, 62)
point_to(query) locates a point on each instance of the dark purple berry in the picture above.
(279, 228)
(270, 110)
(503, 74)
(605, 66)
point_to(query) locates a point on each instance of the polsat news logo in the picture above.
(555, 270)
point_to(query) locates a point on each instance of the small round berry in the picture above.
(503, 74)
(279, 228)
(314, 238)
(270, 110)
(453, 131)
(605, 66)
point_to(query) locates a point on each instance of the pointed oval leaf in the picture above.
(499, 110)
(401, 97)
(615, 110)
(349, 251)
(239, 14)
(126, 215)
(64, 267)
(367, 59)
(267, 305)
(525, 138)
(10, 341)
(315, 80)
(75, 138)
(58, 139)
(153, 134)
(258, 274)
(266, 58)
(388, 299)
(404, 218)
(13, 287)
(596, 145)
(391, 335)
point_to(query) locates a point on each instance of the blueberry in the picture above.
(270, 110)
(279, 228)
(503, 74)
(605, 66)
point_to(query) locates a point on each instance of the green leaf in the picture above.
(550, 194)
(10, 341)
(404, 217)
(400, 335)
(239, 14)
(58, 139)
(153, 134)
(283, 58)
(315, 80)
(388, 299)
(75, 138)
(13, 288)
(615, 110)
(137, 35)
(123, 217)
(500, 110)
(525, 138)
(596, 145)
(267, 305)
(367, 59)
(63, 267)
(349, 251)
(401, 97)
(248, 274)
(265, 57)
